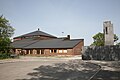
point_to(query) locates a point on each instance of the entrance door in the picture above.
(38, 51)
(42, 51)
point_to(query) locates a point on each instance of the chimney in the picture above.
(67, 38)
(38, 29)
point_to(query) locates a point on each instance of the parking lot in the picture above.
(58, 69)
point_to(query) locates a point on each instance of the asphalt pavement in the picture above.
(54, 68)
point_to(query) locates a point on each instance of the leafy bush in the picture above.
(4, 55)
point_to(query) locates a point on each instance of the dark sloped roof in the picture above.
(52, 43)
(23, 43)
(35, 33)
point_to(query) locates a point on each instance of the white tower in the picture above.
(108, 33)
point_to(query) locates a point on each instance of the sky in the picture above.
(81, 19)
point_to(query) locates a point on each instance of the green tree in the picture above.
(115, 38)
(6, 31)
(5, 45)
(118, 43)
(99, 39)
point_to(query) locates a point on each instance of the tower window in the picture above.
(106, 29)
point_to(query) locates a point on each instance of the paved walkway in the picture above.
(34, 68)
(110, 70)
(54, 68)
(27, 58)
(19, 68)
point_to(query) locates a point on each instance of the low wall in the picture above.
(108, 53)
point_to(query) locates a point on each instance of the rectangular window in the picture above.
(60, 51)
(53, 51)
(65, 51)
(106, 29)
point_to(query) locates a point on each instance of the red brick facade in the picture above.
(35, 37)
(49, 52)
(73, 50)
(78, 48)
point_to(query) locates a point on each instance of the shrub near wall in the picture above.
(4, 55)
(108, 53)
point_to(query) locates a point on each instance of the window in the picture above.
(60, 51)
(106, 29)
(65, 51)
(53, 51)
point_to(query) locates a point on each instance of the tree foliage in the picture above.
(115, 38)
(5, 45)
(118, 43)
(99, 39)
(6, 31)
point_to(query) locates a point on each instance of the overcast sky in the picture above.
(79, 18)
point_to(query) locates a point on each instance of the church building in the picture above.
(41, 43)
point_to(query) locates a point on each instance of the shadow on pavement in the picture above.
(110, 71)
(77, 70)
(107, 75)
(73, 70)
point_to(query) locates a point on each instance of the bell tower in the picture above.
(108, 33)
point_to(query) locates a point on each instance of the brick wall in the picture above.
(45, 38)
(78, 48)
(37, 37)
(69, 52)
